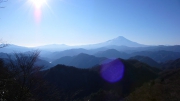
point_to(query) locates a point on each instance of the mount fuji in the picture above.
(119, 41)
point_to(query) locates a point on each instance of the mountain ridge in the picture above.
(118, 41)
(81, 60)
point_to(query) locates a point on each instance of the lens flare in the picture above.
(112, 71)
(37, 4)
(37, 15)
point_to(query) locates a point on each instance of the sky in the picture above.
(79, 22)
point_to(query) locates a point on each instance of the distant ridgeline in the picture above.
(118, 69)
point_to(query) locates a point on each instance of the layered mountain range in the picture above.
(108, 71)
(86, 56)
(119, 41)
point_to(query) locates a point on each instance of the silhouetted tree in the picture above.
(21, 79)
(1, 1)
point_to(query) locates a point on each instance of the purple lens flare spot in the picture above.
(112, 71)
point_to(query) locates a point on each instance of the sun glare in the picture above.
(38, 3)
(38, 8)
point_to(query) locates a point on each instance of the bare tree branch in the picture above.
(23, 68)
(1, 1)
(24, 80)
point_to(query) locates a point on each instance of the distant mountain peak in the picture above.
(54, 47)
(120, 37)
(122, 41)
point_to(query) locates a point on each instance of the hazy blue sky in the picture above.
(75, 22)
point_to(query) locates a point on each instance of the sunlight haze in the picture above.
(79, 22)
